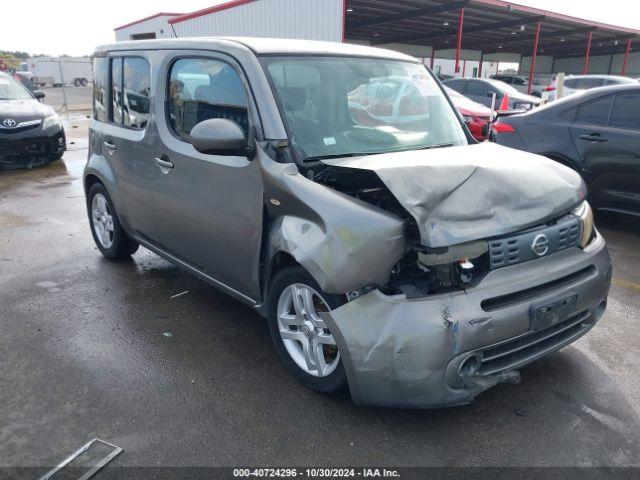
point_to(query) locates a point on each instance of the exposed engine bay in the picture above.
(422, 270)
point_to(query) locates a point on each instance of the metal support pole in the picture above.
(585, 69)
(610, 64)
(459, 42)
(532, 67)
(626, 58)
(64, 90)
(433, 57)
(464, 68)
(480, 64)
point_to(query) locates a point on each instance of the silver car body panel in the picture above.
(343, 243)
(407, 353)
(396, 351)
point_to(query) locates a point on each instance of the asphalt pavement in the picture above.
(118, 350)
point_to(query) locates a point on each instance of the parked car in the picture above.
(481, 90)
(476, 116)
(578, 83)
(30, 132)
(403, 260)
(520, 83)
(597, 133)
(395, 101)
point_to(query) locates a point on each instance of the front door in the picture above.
(209, 207)
(607, 136)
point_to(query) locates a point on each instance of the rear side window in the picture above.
(626, 111)
(201, 89)
(587, 83)
(116, 90)
(459, 86)
(100, 89)
(596, 112)
(479, 88)
(571, 83)
(130, 92)
(137, 90)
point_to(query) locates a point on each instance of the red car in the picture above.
(476, 116)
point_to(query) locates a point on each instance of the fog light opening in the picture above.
(470, 366)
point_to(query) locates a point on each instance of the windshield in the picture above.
(339, 106)
(11, 89)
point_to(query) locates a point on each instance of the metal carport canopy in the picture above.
(489, 26)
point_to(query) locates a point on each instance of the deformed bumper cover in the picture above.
(407, 353)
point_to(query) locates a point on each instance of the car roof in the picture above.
(582, 96)
(260, 46)
(606, 77)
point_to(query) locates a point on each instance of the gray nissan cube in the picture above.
(334, 189)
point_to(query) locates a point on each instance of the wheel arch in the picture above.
(564, 160)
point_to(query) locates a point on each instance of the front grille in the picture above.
(20, 128)
(23, 148)
(506, 251)
(513, 353)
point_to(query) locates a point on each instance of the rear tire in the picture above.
(76, 82)
(84, 82)
(302, 340)
(108, 234)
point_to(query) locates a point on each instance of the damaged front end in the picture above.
(434, 253)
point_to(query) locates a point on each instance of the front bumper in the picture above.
(445, 349)
(31, 148)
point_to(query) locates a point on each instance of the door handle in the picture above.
(109, 146)
(594, 137)
(165, 165)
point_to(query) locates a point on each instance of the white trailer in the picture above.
(75, 71)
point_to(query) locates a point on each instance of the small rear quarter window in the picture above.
(100, 89)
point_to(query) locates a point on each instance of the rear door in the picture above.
(209, 206)
(607, 136)
(125, 141)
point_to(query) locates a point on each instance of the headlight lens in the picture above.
(51, 121)
(586, 218)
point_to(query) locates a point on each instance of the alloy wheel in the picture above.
(304, 334)
(102, 220)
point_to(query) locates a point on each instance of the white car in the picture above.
(577, 83)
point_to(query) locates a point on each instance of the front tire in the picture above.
(303, 342)
(108, 234)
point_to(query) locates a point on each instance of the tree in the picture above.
(8, 61)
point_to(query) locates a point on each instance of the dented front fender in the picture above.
(345, 244)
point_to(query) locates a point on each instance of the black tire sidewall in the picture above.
(334, 383)
(121, 247)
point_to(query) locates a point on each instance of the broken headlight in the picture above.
(585, 214)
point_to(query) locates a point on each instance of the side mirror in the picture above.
(489, 94)
(219, 136)
(39, 94)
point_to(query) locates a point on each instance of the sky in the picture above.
(76, 27)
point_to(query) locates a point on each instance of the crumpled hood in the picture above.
(466, 193)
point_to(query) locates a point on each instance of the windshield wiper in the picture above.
(430, 147)
(339, 155)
